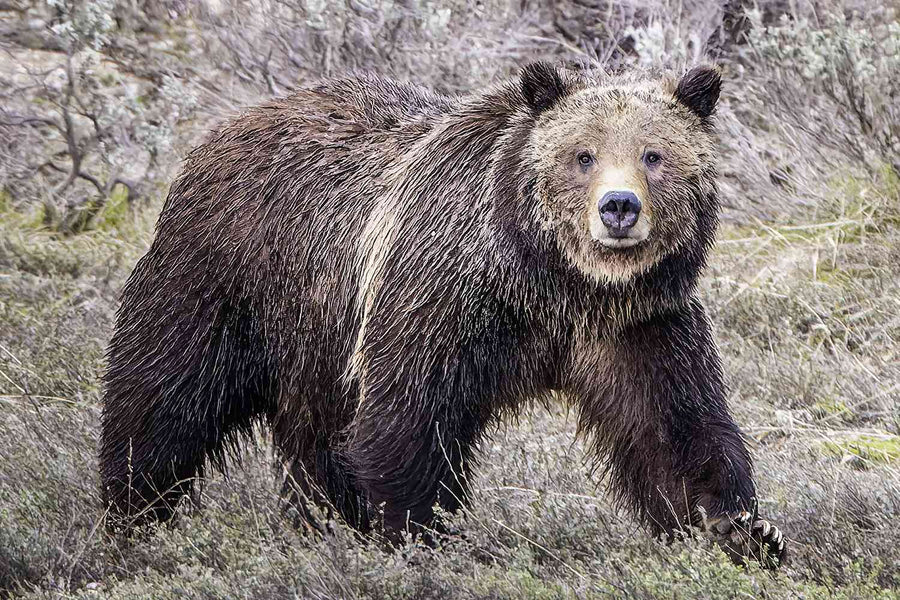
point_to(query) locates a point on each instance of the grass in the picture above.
(806, 317)
(864, 450)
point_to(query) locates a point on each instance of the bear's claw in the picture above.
(745, 535)
(761, 541)
(769, 535)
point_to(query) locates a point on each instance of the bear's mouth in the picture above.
(618, 243)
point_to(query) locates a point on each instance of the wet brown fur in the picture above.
(380, 273)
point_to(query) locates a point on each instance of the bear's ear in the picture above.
(699, 90)
(542, 86)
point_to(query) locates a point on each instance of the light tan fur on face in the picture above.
(619, 178)
(603, 269)
(616, 178)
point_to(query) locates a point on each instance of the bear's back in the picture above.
(377, 103)
(323, 136)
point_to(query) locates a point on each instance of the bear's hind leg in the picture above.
(169, 406)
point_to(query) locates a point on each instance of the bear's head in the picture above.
(624, 168)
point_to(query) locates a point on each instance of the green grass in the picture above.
(869, 449)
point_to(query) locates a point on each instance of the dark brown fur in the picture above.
(370, 269)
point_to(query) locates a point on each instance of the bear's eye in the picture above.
(652, 158)
(585, 159)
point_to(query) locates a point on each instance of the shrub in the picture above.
(74, 129)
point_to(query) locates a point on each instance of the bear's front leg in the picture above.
(422, 409)
(654, 398)
(410, 451)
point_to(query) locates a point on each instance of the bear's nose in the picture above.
(619, 211)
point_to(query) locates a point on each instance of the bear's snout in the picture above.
(619, 211)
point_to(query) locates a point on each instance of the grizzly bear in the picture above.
(380, 273)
